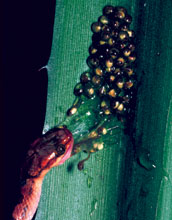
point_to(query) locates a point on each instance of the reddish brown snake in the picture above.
(51, 150)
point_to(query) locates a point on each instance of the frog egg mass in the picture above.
(111, 56)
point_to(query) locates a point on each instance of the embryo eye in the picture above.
(60, 149)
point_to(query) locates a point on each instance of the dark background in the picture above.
(27, 37)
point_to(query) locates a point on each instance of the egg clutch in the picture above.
(110, 80)
(111, 56)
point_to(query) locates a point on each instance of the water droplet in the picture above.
(88, 113)
(144, 159)
(166, 175)
(144, 4)
(89, 181)
(93, 206)
(85, 171)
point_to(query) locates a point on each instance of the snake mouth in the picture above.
(69, 146)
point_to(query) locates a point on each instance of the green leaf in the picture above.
(121, 181)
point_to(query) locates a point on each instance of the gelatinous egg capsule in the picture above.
(99, 71)
(109, 63)
(71, 111)
(106, 29)
(98, 146)
(114, 34)
(120, 61)
(124, 27)
(123, 36)
(126, 52)
(120, 12)
(122, 45)
(103, 19)
(115, 24)
(111, 42)
(129, 84)
(120, 83)
(129, 71)
(92, 50)
(118, 72)
(115, 104)
(132, 57)
(102, 42)
(85, 77)
(104, 104)
(78, 90)
(89, 91)
(120, 107)
(110, 78)
(92, 61)
(131, 33)
(104, 37)
(102, 91)
(97, 80)
(131, 47)
(96, 27)
(114, 53)
(112, 93)
(128, 19)
(108, 10)
(105, 107)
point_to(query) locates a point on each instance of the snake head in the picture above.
(50, 150)
(64, 145)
